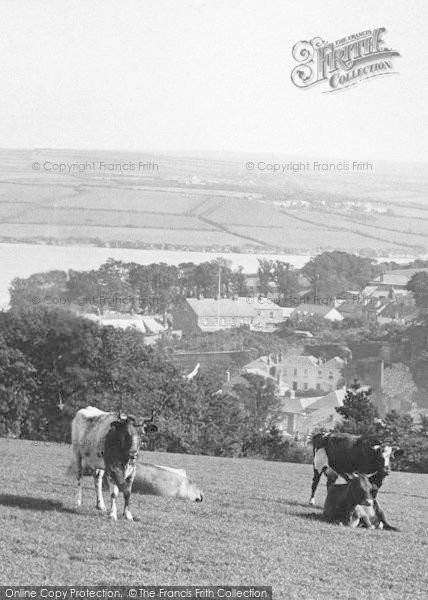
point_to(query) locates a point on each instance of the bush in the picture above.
(273, 446)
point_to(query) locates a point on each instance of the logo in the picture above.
(343, 63)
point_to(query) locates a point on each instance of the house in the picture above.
(300, 416)
(298, 372)
(309, 310)
(268, 313)
(252, 283)
(210, 314)
(350, 309)
(390, 285)
(151, 326)
(395, 312)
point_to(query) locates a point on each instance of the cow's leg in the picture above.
(381, 517)
(114, 493)
(79, 480)
(332, 477)
(315, 481)
(320, 465)
(98, 481)
(364, 518)
(127, 497)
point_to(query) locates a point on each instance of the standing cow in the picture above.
(107, 442)
(340, 453)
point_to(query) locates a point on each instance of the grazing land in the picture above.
(203, 202)
(253, 528)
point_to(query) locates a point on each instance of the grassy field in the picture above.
(253, 528)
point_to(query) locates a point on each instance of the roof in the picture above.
(209, 307)
(260, 303)
(292, 405)
(331, 400)
(399, 311)
(398, 276)
(334, 363)
(145, 324)
(300, 360)
(369, 290)
(316, 309)
(350, 308)
(258, 363)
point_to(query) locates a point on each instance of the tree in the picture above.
(418, 285)
(287, 280)
(332, 273)
(266, 273)
(47, 288)
(18, 387)
(359, 413)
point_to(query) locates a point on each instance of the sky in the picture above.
(193, 75)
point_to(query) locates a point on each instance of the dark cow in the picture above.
(344, 503)
(107, 442)
(340, 453)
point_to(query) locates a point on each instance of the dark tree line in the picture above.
(53, 362)
(127, 287)
(158, 286)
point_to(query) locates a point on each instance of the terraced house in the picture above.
(298, 372)
(210, 314)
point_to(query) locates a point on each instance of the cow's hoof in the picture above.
(128, 516)
(101, 509)
(312, 502)
(113, 517)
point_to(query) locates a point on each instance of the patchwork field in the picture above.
(253, 528)
(210, 201)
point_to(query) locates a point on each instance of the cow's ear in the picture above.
(150, 428)
(396, 452)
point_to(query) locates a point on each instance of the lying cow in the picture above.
(165, 481)
(343, 505)
(339, 453)
(107, 442)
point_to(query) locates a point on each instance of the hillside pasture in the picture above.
(253, 528)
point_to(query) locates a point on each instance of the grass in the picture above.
(253, 528)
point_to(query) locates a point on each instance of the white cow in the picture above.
(165, 481)
(106, 442)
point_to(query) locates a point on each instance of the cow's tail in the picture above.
(319, 440)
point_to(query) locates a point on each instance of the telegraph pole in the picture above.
(219, 292)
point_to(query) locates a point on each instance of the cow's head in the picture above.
(360, 489)
(122, 444)
(383, 454)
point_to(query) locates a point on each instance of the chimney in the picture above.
(201, 296)
(227, 376)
